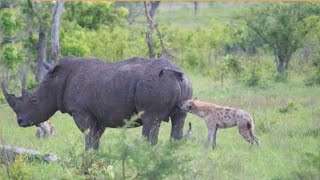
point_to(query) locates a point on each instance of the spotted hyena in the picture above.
(216, 116)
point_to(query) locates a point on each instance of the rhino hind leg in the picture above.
(177, 122)
(151, 125)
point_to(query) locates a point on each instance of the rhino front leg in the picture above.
(90, 128)
(93, 138)
(177, 121)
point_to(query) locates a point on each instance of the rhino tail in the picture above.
(179, 74)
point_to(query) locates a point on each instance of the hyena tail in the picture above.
(252, 135)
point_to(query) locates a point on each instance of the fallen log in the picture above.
(9, 153)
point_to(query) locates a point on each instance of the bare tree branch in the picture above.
(151, 26)
(149, 32)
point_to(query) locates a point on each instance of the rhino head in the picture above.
(32, 108)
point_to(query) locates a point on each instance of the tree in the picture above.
(282, 27)
(150, 13)
(38, 14)
(55, 31)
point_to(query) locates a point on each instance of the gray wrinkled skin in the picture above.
(99, 95)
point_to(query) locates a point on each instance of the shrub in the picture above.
(134, 158)
(291, 106)
(19, 170)
(314, 78)
(233, 64)
(252, 77)
(281, 77)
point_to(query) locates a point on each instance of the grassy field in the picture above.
(287, 118)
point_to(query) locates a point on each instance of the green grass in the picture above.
(289, 141)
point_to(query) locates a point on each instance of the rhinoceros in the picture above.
(100, 94)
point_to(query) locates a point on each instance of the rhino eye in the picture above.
(34, 100)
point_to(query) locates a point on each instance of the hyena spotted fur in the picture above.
(216, 117)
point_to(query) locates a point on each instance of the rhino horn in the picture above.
(11, 99)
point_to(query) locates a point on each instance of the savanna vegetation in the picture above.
(260, 57)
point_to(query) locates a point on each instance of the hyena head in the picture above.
(189, 105)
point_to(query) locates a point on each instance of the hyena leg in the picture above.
(245, 132)
(209, 137)
(214, 137)
(254, 137)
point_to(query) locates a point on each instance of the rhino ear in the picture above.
(53, 71)
(178, 73)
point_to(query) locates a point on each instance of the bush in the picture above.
(314, 78)
(233, 64)
(291, 106)
(134, 158)
(19, 170)
(281, 77)
(251, 77)
(10, 55)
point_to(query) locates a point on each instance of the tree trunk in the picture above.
(149, 33)
(196, 5)
(42, 47)
(153, 9)
(283, 62)
(55, 31)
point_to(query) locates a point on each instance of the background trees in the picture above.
(282, 27)
(277, 31)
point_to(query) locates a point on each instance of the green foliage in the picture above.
(282, 26)
(233, 64)
(314, 76)
(10, 55)
(2, 99)
(32, 84)
(253, 78)
(10, 22)
(291, 106)
(73, 40)
(116, 43)
(281, 77)
(135, 159)
(95, 15)
(19, 169)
